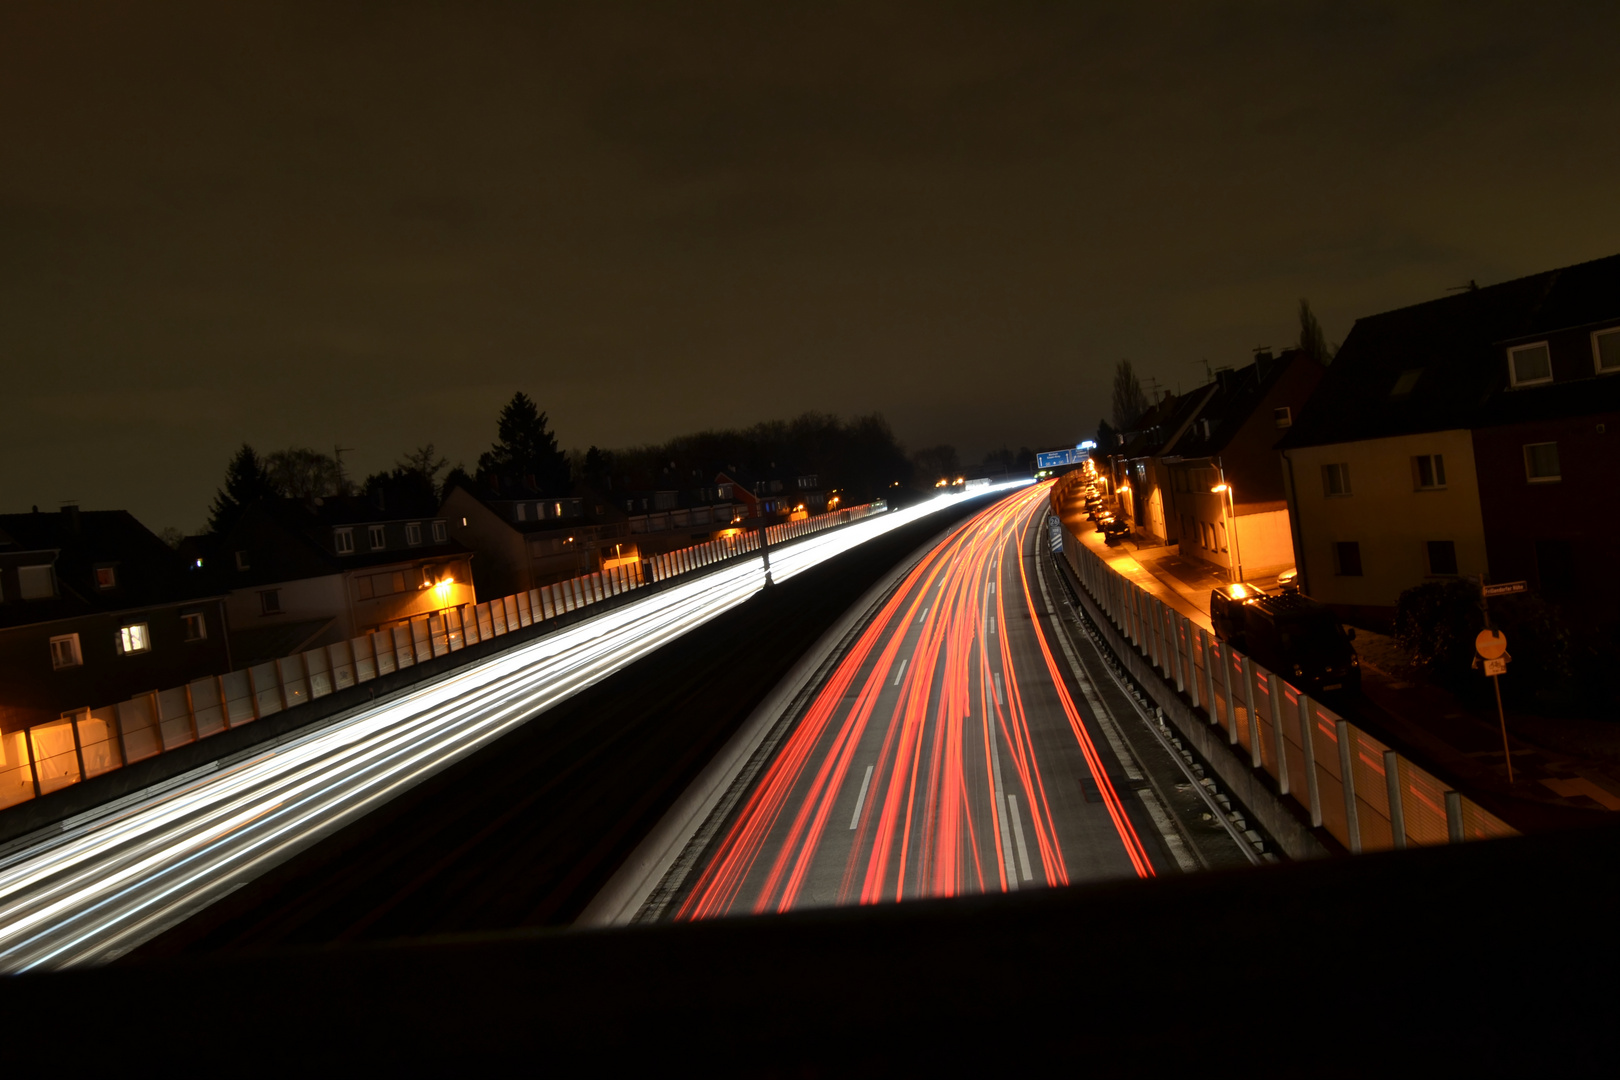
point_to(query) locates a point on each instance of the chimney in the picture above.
(70, 513)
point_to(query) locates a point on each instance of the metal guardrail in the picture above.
(1365, 795)
(88, 742)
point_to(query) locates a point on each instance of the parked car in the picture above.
(1302, 641)
(1226, 610)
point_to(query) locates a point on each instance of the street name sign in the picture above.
(1505, 588)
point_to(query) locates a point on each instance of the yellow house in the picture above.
(1377, 516)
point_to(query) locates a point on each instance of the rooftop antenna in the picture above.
(1472, 286)
(1209, 376)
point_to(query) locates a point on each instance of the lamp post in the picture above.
(1234, 554)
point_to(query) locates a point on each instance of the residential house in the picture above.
(1144, 476)
(525, 539)
(1472, 434)
(301, 574)
(94, 609)
(1230, 507)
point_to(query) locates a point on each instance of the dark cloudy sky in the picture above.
(369, 223)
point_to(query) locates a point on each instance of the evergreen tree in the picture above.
(246, 482)
(526, 448)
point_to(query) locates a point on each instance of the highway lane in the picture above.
(944, 754)
(96, 888)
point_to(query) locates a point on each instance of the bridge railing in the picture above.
(87, 742)
(1367, 796)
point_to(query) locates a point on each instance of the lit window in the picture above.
(440, 533)
(106, 577)
(1283, 417)
(1442, 558)
(413, 533)
(133, 639)
(1530, 364)
(522, 512)
(343, 540)
(1336, 479)
(36, 582)
(1429, 471)
(376, 537)
(65, 652)
(270, 602)
(1347, 558)
(1541, 463)
(196, 627)
(1606, 350)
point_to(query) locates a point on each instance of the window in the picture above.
(65, 652)
(241, 560)
(377, 537)
(1530, 364)
(1606, 350)
(1336, 479)
(106, 577)
(36, 582)
(1429, 471)
(440, 533)
(1442, 558)
(1541, 462)
(195, 625)
(133, 639)
(521, 511)
(343, 540)
(413, 533)
(270, 602)
(1283, 417)
(1347, 558)
(1404, 384)
(365, 588)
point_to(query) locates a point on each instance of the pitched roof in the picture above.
(1232, 399)
(1442, 365)
(146, 570)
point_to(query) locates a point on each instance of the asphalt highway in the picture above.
(99, 886)
(947, 752)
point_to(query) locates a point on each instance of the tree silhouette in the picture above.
(526, 448)
(1311, 340)
(246, 482)
(1129, 403)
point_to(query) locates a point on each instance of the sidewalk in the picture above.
(1553, 786)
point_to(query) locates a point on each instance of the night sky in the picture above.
(370, 223)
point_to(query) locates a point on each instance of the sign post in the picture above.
(1491, 647)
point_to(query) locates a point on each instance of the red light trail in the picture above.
(948, 683)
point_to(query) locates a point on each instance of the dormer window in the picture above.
(343, 541)
(1606, 350)
(1283, 417)
(1530, 365)
(413, 533)
(241, 560)
(440, 533)
(377, 537)
(106, 577)
(521, 512)
(1404, 384)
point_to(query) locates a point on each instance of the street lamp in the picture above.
(1234, 555)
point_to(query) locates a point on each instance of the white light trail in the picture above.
(99, 887)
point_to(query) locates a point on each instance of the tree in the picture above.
(597, 469)
(1129, 403)
(402, 491)
(246, 482)
(1311, 340)
(937, 463)
(426, 463)
(301, 473)
(526, 448)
